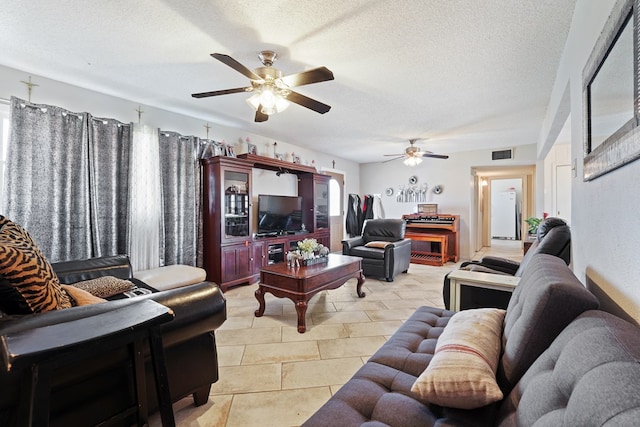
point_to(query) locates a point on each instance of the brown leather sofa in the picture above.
(92, 391)
(381, 261)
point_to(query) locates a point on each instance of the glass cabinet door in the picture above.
(321, 194)
(236, 206)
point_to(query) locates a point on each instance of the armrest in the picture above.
(349, 244)
(198, 309)
(79, 270)
(398, 245)
(500, 264)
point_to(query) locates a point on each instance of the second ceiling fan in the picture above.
(413, 155)
(272, 90)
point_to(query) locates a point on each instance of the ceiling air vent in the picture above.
(502, 154)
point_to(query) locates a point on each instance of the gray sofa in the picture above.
(563, 363)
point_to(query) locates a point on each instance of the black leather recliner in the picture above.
(553, 238)
(383, 248)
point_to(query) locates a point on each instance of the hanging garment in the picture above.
(353, 216)
(368, 207)
(378, 211)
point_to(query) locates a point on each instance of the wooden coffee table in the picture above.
(299, 284)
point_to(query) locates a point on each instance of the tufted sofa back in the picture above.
(387, 230)
(578, 380)
(546, 300)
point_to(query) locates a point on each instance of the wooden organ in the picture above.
(435, 238)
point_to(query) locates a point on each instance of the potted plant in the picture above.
(533, 223)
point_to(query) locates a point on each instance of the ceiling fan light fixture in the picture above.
(412, 161)
(270, 100)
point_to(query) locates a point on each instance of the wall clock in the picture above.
(413, 179)
(389, 191)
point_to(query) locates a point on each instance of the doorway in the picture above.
(481, 213)
(336, 210)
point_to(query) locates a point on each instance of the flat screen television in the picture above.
(279, 214)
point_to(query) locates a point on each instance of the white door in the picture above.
(563, 192)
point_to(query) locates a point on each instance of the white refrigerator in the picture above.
(504, 215)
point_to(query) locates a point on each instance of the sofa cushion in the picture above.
(589, 376)
(105, 286)
(377, 244)
(367, 252)
(545, 301)
(462, 373)
(28, 283)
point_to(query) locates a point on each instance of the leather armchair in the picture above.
(381, 260)
(553, 238)
(91, 391)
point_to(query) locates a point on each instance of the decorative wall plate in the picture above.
(389, 191)
(437, 189)
(413, 179)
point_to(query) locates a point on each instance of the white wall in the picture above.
(454, 174)
(82, 100)
(604, 220)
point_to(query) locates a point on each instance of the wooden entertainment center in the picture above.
(233, 254)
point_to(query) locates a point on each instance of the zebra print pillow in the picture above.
(28, 283)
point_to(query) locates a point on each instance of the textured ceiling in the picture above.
(463, 74)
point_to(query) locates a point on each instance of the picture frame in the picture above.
(428, 208)
(279, 156)
(296, 159)
(230, 152)
(252, 149)
(610, 144)
(218, 149)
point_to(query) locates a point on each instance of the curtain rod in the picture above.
(5, 101)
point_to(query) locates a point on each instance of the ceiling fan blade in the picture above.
(321, 74)
(260, 116)
(390, 160)
(227, 60)
(307, 102)
(222, 92)
(435, 156)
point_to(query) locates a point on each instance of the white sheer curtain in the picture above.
(145, 206)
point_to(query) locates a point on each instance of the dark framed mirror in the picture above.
(610, 94)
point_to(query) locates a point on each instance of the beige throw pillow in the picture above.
(377, 244)
(462, 373)
(81, 297)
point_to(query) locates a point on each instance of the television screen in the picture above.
(279, 214)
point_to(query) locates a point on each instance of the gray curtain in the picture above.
(180, 179)
(62, 180)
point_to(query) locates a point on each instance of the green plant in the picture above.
(533, 223)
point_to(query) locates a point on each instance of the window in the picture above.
(335, 198)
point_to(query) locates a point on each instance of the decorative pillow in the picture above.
(28, 283)
(80, 297)
(462, 373)
(105, 286)
(377, 244)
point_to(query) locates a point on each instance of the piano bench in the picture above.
(429, 258)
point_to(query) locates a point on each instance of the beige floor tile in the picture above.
(230, 355)
(340, 317)
(362, 305)
(248, 336)
(248, 379)
(318, 332)
(319, 372)
(276, 408)
(350, 347)
(236, 322)
(214, 413)
(280, 352)
(372, 329)
(396, 314)
(289, 319)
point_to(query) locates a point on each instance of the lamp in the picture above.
(412, 161)
(271, 99)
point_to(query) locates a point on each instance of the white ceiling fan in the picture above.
(413, 155)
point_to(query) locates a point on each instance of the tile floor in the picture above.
(270, 375)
